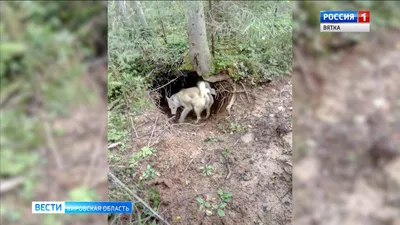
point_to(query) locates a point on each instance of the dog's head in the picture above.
(212, 90)
(173, 104)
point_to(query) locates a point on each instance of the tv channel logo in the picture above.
(345, 21)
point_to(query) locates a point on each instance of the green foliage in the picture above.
(117, 128)
(155, 197)
(231, 127)
(143, 154)
(255, 38)
(40, 55)
(9, 215)
(250, 41)
(225, 198)
(51, 219)
(235, 127)
(42, 50)
(202, 204)
(149, 174)
(211, 139)
(16, 155)
(206, 170)
(82, 194)
(225, 152)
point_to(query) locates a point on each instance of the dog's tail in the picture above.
(203, 88)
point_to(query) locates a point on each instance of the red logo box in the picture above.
(363, 16)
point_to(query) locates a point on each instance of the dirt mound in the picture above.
(338, 180)
(248, 159)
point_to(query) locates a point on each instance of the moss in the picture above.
(186, 65)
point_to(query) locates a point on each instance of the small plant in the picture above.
(82, 194)
(202, 203)
(113, 157)
(225, 152)
(154, 199)
(220, 208)
(155, 196)
(235, 127)
(144, 152)
(207, 169)
(211, 139)
(225, 196)
(149, 174)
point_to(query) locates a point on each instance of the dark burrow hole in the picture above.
(169, 84)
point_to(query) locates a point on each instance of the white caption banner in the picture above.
(344, 27)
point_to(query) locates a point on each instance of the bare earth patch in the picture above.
(249, 160)
(346, 165)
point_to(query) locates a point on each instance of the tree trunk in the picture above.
(139, 13)
(212, 31)
(125, 13)
(199, 53)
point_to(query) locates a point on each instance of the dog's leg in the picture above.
(210, 103)
(198, 111)
(184, 114)
(208, 111)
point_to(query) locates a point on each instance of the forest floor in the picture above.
(351, 122)
(249, 159)
(336, 181)
(69, 162)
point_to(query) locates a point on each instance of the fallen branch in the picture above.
(114, 104)
(165, 84)
(245, 91)
(152, 132)
(232, 99)
(97, 150)
(9, 91)
(280, 200)
(9, 184)
(229, 170)
(133, 126)
(222, 103)
(51, 144)
(113, 145)
(227, 162)
(190, 162)
(116, 180)
(217, 78)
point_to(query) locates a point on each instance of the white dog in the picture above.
(196, 98)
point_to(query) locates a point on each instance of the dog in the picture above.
(210, 95)
(194, 98)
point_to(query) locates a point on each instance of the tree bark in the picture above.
(199, 53)
(125, 13)
(212, 31)
(139, 13)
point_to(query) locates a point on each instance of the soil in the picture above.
(259, 159)
(346, 155)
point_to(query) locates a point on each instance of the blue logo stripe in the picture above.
(98, 207)
(338, 16)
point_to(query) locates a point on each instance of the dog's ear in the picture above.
(212, 91)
